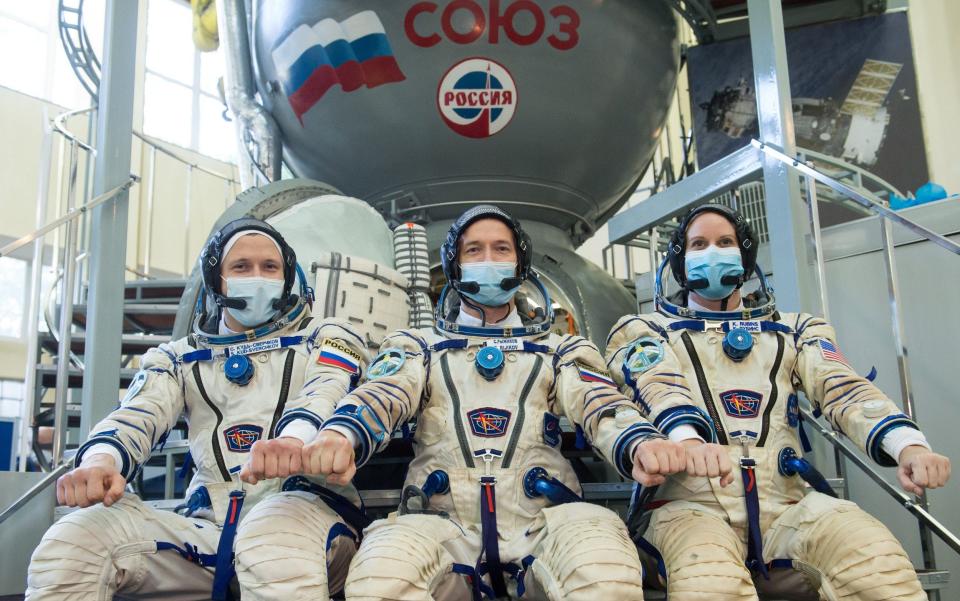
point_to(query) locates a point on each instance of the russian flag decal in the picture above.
(337, 354)
(588, 374)
(353, 53)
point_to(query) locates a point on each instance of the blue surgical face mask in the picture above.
(713, 264)
(259, 293)
(489, 274)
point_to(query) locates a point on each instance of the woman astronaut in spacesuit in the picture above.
(721, 373)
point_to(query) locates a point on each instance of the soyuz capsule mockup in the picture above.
(551, 109)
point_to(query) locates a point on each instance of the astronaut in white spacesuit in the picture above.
(490, 505)
(721, 373)
(254, 353)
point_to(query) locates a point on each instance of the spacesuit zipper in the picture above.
(215, 436)
(457, 422)
(284, 391)
(704, 388)
(518, 425)
(765, 427)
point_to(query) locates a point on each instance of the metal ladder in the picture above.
(77, 45)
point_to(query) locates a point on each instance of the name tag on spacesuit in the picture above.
(506, 344)
(249, 348)
(751, 326)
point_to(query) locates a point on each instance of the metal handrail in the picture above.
(912, 506)
(863, 198)
(60, 126)
(69, 216)
(886, 215)
(35, 490)
(154, 143)
(862, 173)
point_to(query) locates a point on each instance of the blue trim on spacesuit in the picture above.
(691, 415)
(627, 437)
(875, 438)
(295, 414)
(129, 467)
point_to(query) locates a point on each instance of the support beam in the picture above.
(692, 190)
(786, 215)
(108, 242)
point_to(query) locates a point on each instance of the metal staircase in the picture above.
(149, 308)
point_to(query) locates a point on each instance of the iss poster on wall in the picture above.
(854, 96)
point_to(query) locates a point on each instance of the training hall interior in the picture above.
(134, 129)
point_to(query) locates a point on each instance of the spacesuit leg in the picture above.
(703, 556)
(584, 552)
(857, 556)
(292, 546)
(94, 553)
(405, 558)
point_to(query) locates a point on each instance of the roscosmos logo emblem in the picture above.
(477, 97)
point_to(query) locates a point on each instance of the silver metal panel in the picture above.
(19, 536)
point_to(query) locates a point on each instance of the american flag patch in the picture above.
(830, 351)
(337, 354)
(595, 375)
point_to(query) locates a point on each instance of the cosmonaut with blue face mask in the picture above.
(255, 358)
(491, 507)
(721, 373)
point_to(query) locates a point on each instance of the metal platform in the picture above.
(131, 344)
(154, 291)
(138, 318)
(48, 376)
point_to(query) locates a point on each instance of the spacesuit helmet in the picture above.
(746, 240)
(529, 295)
(214, 297)
(758, 303)
(450, 249)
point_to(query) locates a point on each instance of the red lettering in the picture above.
(496, 22)
(447, 98)
(479, 22)
(568, 23)
(461, 98)
(507, 97)
(510, 17)
(485, 98)
(409, 25)
(568, 28)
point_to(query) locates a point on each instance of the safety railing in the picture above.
(886, 215)
(743, 165)
(155, 148)
(62, 167)
(749, 199)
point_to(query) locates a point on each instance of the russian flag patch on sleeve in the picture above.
(337, 354)
(588, 374)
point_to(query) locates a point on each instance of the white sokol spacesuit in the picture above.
(234, 389)
(503, 514)
(733, 378)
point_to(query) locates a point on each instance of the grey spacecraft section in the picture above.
(550, 109)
